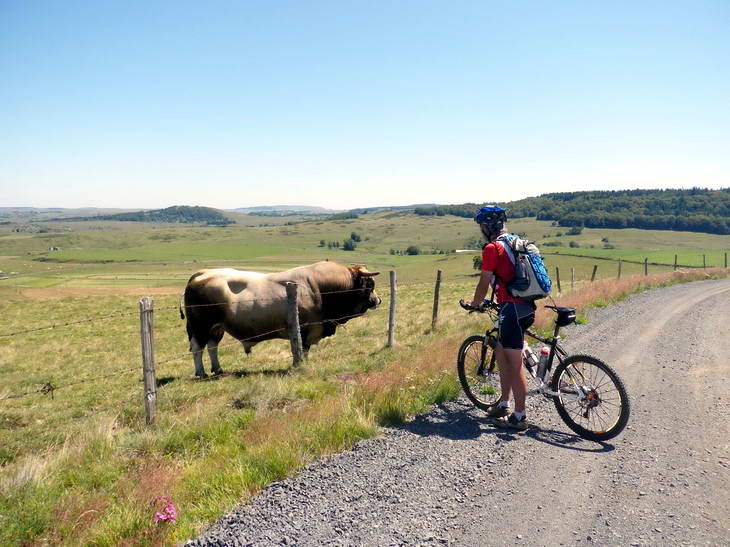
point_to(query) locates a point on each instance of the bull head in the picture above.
(361, 270)
(363, 279)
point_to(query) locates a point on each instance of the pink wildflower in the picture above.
(168, 513)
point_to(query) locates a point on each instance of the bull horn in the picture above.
(369, 274)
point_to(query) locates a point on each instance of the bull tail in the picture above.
(182, 313)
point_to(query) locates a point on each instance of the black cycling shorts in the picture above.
(514, 319)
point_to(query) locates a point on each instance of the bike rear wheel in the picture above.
(592, 399)
(478, 372)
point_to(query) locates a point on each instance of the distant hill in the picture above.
(694, 210)
(363, 210)
(41, 213)
(276, 210)
(177, 213)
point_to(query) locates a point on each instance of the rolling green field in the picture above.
(79, 466)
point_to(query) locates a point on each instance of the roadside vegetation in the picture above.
(79, 466)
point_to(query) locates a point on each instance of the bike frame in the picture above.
(555, 351)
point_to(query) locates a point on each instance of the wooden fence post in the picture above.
(572, 279)
(675, 262)
(593, 275)
(557, 278)
(391, 315)
(436, 292)
(295, 333)
(619, 268)
(146, 321)
(726, 260)
(646, 266)
(704, 263)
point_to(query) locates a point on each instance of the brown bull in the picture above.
(252, 307)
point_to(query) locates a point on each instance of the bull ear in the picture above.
(369, 274)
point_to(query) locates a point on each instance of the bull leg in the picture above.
(306, 351)
(215, 366)
(197, 358)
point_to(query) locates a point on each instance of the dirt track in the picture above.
(448, 477)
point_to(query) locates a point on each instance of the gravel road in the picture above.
(449, 478)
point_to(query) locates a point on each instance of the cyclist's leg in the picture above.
(511, 376)
(505, 373)
(509, 355)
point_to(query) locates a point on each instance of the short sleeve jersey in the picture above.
(495, 259)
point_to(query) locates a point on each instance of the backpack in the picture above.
(531, 281)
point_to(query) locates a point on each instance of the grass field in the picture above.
(78, 465)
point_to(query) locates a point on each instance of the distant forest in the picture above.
(694, 210)
(178, 213)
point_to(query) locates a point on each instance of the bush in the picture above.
(413, 250)
(349, 245)
(477, 262)
(355, 237)
(574, 244)
(322, 243)
(343, 216)
(575, 231)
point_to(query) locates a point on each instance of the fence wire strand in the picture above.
(48, 388)
(68, 323)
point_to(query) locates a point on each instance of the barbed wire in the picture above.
(273, 299)
(129, 313)
(49, 388)
(68, 323)
(258, 337)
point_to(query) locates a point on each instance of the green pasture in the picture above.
(88, 436)
(72, 460)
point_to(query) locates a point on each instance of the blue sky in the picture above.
(347, 104)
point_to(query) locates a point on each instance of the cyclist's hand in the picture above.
(468, 306)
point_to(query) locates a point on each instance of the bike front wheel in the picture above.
(591, 399)
(478, 372)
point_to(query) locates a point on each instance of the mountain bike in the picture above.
(588, 394)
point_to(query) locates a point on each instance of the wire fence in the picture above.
(49, 388)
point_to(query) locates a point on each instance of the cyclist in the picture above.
(515, 316)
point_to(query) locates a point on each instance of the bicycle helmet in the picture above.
(492, 217)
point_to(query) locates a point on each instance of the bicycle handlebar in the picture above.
(485, 306)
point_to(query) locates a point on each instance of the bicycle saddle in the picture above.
(561, 309)
(566, 315)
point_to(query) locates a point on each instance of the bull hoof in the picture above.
(200, 376)
(217, 372)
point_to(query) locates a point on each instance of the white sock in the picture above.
(518, 415)
(503, 404)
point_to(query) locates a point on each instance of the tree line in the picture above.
(177, 213)
(693, 210)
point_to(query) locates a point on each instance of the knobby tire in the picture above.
(604, 412)
(482, 390)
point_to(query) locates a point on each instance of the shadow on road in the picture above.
(461, 421)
